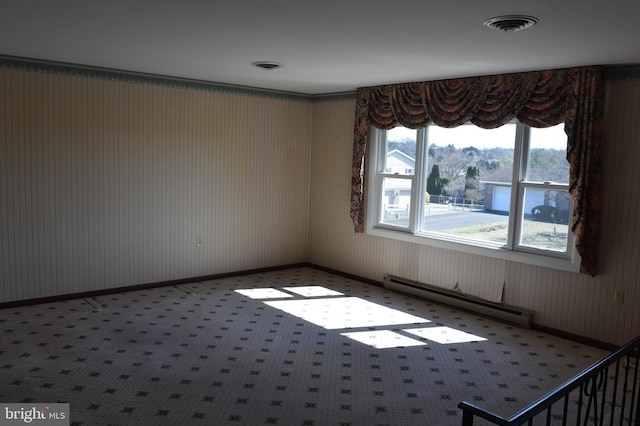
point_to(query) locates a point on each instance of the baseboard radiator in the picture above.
(497, 311)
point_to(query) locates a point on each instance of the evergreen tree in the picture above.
(434, 182)
(471, 180)
(472, 184)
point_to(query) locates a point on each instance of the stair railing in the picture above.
(607, 393)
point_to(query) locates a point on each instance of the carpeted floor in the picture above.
(291, 347)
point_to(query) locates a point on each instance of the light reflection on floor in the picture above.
(334, 313)
(313, 291)
(345, 312)
(444, 335)
(383, 339)
(264, 293)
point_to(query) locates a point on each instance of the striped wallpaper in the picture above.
(107, 183)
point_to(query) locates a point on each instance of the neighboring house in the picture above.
(400, 163)
(397, 192)
(497, 192)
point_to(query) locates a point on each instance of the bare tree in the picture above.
(453, 162)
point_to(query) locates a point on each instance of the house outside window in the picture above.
(501, 192)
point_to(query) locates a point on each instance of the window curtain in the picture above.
(574, 96)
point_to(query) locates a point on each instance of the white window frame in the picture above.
(569, 261)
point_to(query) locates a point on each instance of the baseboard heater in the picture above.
(497, 311)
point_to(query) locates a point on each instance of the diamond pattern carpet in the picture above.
(292, 347)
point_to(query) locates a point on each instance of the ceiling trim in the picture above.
(612, 73)
(75, 70)
(622, 73)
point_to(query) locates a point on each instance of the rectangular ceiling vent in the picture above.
(497, 311)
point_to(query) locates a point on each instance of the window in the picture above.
(502, 192)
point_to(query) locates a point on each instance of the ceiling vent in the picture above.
(267, 65)
(511, 23)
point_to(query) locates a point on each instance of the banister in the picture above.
(469, 409)
(546, 401)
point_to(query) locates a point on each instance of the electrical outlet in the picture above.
(618, 296)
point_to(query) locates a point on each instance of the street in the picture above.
(443, 221)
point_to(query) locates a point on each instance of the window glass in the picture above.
(546, 224)
(399, 161)
(504, 188)
(547, 159)
(396, 201)
(401, 151)
(468, 182)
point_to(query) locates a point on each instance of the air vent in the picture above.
(267, 65)
(511, 23)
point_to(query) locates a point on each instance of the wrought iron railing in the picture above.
(607, 393)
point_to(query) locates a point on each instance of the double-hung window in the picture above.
(501, 192)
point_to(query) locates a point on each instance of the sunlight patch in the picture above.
(344, 312)
(263, 293)
(383, 339)
(444, 335)
(313, 291)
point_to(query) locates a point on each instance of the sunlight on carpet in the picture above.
(344, 312)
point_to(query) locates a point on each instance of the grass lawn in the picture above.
(537, 234)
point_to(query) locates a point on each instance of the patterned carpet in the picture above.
(291, 347)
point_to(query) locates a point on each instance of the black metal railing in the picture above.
(607, 393)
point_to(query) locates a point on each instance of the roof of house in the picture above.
(536, 174)
(401, 156)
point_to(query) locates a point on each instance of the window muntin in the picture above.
(505, 188)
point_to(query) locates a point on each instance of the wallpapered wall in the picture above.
(107, 183)
(571, 302)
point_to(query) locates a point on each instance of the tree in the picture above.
(551, 164)
(453, 162)
(472, 151)
(472, 184)
(471, 179)
(408, 146)
(435, 183)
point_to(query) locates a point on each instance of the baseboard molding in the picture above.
(576, 338)
(345, 274)
(114, 290)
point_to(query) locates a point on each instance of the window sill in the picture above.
(563, 264)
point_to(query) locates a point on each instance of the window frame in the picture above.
(511, 251)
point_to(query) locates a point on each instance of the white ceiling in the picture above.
(326, 46)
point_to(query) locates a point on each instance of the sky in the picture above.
(469, 135)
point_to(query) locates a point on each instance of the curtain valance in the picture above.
(574, 96)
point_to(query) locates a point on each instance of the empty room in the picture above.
(339, 213)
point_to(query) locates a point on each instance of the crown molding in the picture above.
(612, 73)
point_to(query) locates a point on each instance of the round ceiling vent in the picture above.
(267, 65)
(511, 23)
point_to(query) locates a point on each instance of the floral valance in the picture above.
(574, 96)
